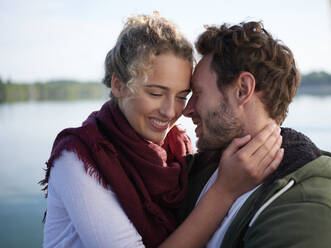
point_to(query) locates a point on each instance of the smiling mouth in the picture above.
(198, 130)
(197, 122)
(159, 125)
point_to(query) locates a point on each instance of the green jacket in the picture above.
(300, 217)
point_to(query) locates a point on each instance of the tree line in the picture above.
(66, 90)
(315, 83)
(59, 90)
(316, 78)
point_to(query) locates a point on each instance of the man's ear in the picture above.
(116, 86)
(246, 87)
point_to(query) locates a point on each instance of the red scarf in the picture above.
(149, 180)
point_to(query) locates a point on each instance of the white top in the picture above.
(81, 212)
(218, 236)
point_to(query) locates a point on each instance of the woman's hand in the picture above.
(246, 162)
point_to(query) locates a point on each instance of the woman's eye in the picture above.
(154, 94)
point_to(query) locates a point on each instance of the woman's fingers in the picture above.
(274, 164)
(268, 145)
(269, 156)
(236, 144)
(247, 161)
(261, 141)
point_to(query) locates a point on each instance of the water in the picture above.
(27, 131)
(312, 116)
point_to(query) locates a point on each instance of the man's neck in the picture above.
(255, 126)
(255, 118)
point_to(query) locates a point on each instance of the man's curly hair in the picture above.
(249, 47)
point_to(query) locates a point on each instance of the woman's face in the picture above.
(152, 108)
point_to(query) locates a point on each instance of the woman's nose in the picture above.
(168, 109)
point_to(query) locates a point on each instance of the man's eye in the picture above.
(182, 98)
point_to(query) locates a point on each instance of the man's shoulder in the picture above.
(301, 215)
(298, 200)
(317, 168)
(312, 183)
(326, 153)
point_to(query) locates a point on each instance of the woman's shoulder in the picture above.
(69, 165)
(84, 198)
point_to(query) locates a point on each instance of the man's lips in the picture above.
(197, 122)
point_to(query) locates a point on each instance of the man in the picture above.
(245, 80)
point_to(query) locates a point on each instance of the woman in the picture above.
(116, 180)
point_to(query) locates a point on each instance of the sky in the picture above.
(43, 40)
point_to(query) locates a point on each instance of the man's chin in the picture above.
(203, 145)
(199, 147)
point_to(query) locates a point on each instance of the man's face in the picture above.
(212, 111)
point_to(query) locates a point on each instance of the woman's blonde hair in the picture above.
(142, 39)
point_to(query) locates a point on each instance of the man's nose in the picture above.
(189, 109)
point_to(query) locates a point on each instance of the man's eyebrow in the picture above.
(193, 88)
(165, 88)
(192, 85)
(186, 91)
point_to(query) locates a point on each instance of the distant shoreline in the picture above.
(60, 90)
(321, 90)
(315, 84)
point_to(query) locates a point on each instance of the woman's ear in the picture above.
(246, 87)
(116, 86)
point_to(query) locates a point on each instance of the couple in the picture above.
(127, 177)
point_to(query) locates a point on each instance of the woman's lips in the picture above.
(159, 124)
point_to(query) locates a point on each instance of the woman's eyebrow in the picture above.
(157, 86)
(165, 88)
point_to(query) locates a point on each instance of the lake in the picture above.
(29, 128)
